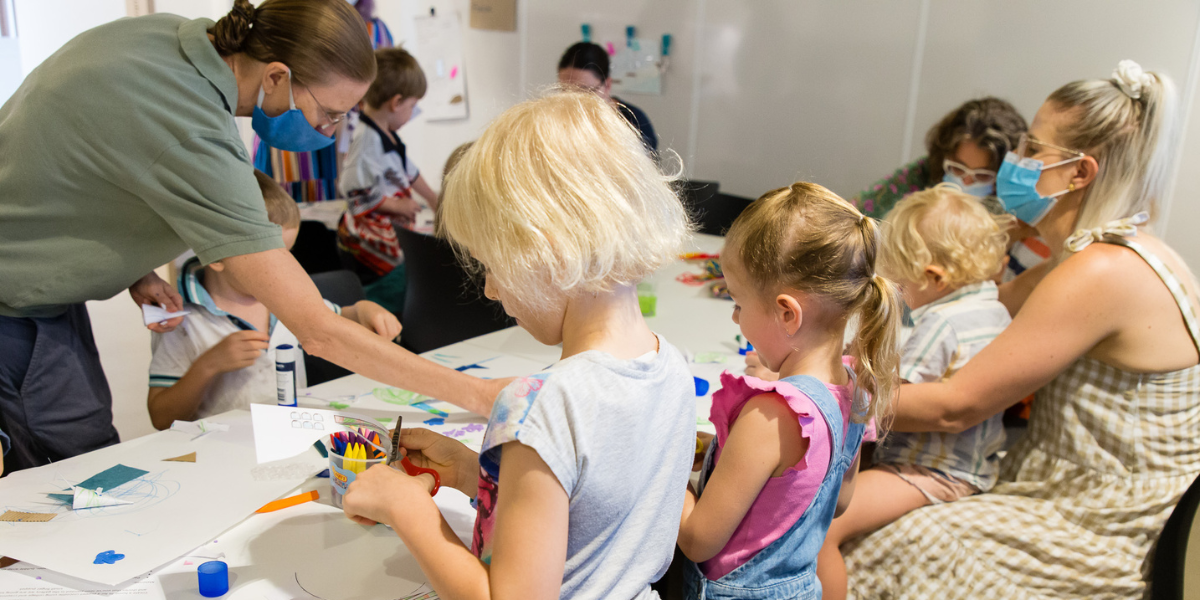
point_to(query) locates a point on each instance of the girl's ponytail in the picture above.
(804, 237)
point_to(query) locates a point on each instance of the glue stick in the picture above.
(285, 375)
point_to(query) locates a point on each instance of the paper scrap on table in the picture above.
(16, 516)
(198, 428)
(152, 314)
(285, 431)
(85, 498)
(185, 458)
(111, 478)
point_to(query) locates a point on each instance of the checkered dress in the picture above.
(1081, 499)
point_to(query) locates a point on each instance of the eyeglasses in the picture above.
(962, 171)
(1030, 146)
(333, 120)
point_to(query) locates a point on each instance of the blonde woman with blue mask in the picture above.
(1105, 332)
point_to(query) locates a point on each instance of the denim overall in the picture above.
(787, 568)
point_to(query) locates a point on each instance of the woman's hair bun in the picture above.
(230, 33)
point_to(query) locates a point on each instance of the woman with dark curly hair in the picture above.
(965, 148)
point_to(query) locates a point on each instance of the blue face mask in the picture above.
(979, 190)
(289, 131)
(1016, 184)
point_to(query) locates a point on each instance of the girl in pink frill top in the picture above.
(799, 262)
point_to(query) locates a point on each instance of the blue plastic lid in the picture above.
(214, 578)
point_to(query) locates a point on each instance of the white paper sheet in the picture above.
(439, 50)
(85, 499)
(284, 431)
(156, 314)
(174, 508)
(272, 556)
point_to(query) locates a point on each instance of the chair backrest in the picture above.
(344, 289)
(442, 304)
(316, 248)
(712, 210)
(1178, 545)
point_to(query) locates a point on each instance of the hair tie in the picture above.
(1126, 227)
(1130, 77)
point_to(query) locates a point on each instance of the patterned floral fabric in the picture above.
(1081, 499)
(877, 200)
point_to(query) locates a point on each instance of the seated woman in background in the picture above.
(586, 65)
(966, 148)
(1106, 333)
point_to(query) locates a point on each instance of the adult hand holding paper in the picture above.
(152, 314)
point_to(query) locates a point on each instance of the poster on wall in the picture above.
(440, 52)
(636, 68)
(496, 15)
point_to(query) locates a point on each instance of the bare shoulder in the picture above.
(770, 405)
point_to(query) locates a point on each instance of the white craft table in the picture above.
(312, 550)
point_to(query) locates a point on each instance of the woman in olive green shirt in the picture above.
(119, 152)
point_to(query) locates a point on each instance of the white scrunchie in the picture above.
(1126, 227)
(1130, 77)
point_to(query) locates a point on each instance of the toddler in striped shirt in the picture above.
(943, 248)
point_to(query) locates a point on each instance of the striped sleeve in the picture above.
(929, 351)
(171, 356)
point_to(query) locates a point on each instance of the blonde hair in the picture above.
(1132, 139)
(398, 74)
(281, 208)
(808, 239)
(946, 227)
(558, 196)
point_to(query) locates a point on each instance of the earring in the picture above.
(1071, 187)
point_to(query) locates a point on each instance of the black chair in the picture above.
(316, 248)
(341, 288)
(1168, 572)
(712, 210)
(442, 304)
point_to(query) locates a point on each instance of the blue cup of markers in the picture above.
(342, 471)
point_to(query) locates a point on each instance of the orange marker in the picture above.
(286, 502)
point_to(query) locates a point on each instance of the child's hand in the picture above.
(376, 491)
(755, 368)
(401, 209)
(377, 319)
(237, 351)
(456, 464)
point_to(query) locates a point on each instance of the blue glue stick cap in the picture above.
(701, 386)
(214, 578)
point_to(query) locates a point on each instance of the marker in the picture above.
(285, 375)
(286, 502)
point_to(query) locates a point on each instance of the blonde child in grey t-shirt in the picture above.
(578, 486)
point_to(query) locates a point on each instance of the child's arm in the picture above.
(180, 401)
(420, 186)
(529, 549)
(847, 491)
(399, 207)
(764, 442)
(373, 317)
